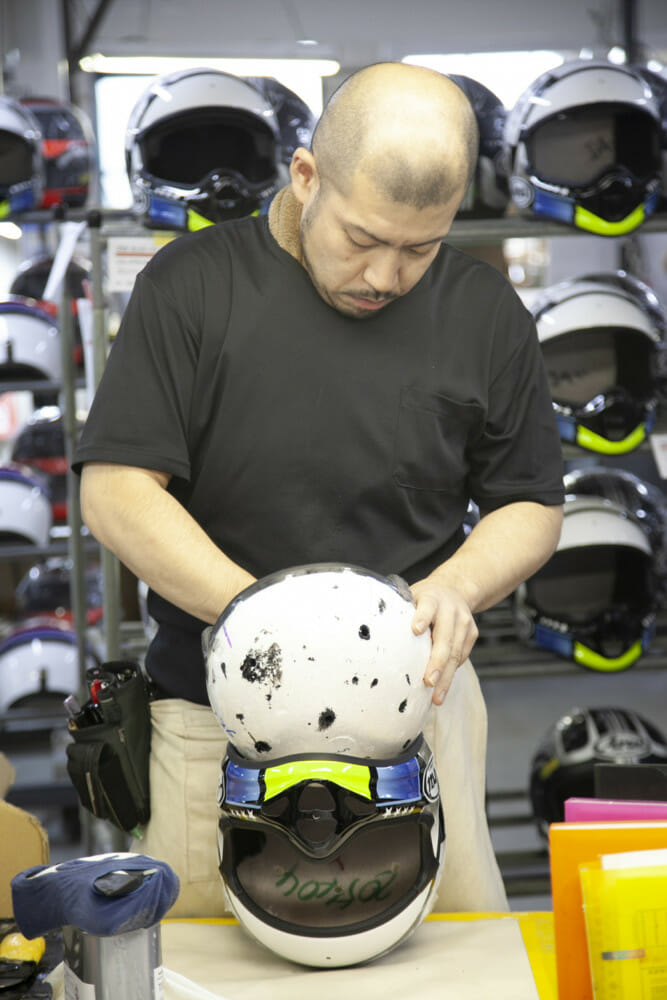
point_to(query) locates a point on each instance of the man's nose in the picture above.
(382, 270)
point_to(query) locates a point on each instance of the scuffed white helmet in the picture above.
(331, 833)
(319, 658)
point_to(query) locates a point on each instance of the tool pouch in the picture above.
(107, 761)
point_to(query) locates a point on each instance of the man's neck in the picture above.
(284, 222)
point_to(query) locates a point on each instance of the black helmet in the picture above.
(295, 119)
(488, 192)
(68, 147)
(563, 764)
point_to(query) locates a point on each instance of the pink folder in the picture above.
(580, 810)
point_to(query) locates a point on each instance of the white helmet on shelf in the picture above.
(201, 146)
(331, 833)
(582, 146)
(26, 514)
(594, 600)
(603, 338)
(29, 344)
(39, 664)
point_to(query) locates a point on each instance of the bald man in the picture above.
(332, 382)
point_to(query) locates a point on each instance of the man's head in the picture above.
(391, 159)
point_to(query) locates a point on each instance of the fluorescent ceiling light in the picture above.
(156, 65)
(10, 231)
(506, 74)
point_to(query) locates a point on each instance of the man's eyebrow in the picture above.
(359, 230)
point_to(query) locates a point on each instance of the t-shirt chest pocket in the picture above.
(432, 435)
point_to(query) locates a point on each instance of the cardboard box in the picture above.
(23, 838)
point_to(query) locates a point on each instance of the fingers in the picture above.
(454, 633)
(451, 648)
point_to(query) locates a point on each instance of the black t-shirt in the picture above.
(294, 434)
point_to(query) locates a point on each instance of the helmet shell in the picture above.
(296, 121)
(25, 506)
(603, 340)
(319, 658)
(582, 146)
(488, 192)
(67, 146)
(39, 663)
(201, 146)
(563, 764)
(29, 343)
(22, 176)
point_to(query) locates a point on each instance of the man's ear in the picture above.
(304, 175)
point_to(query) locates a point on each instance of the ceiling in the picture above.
(356, 32)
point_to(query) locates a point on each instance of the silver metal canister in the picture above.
(108, 968)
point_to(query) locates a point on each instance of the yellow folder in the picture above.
(625, 911)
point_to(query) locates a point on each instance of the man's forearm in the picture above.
(506, 547)
(131, 513)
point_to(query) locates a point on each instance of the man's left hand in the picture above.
(453, 631)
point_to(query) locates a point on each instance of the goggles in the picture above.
(328, 845)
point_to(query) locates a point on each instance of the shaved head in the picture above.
(411, 131)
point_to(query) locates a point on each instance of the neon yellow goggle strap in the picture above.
(197, 221)
(589, 658)
(584, 219)
(5, 209)
(353, 777)
(594, 442)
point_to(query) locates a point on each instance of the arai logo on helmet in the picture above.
(622, 747)
(430, 786)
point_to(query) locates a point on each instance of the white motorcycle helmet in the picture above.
(296, 121)
(201, 146)
(39, 664)
(26, 515)
(29, 344)
(331, 834)
(603, 341)
(594, 601)
(582, 147)
(21, 164)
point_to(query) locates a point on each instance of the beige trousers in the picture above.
(187, 748)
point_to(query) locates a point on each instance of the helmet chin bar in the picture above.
(591, 426)
(586, 647)
(554, 203)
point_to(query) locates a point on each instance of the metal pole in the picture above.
(109, 562)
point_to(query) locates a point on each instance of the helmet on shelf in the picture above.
(658, 84)
(29, 344)
(296, 121)
(563, 764)
(68, 147)
(29, 284)
(643, 502)
(25, 506)
(603, 338)
(487, 194)
(40, 444)
(594, 601)
(39, 664)
(582, 146)
(46, 590)
(201, 146)
(21, 163)
(331, 834)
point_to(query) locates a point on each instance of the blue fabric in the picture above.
(48, 897)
